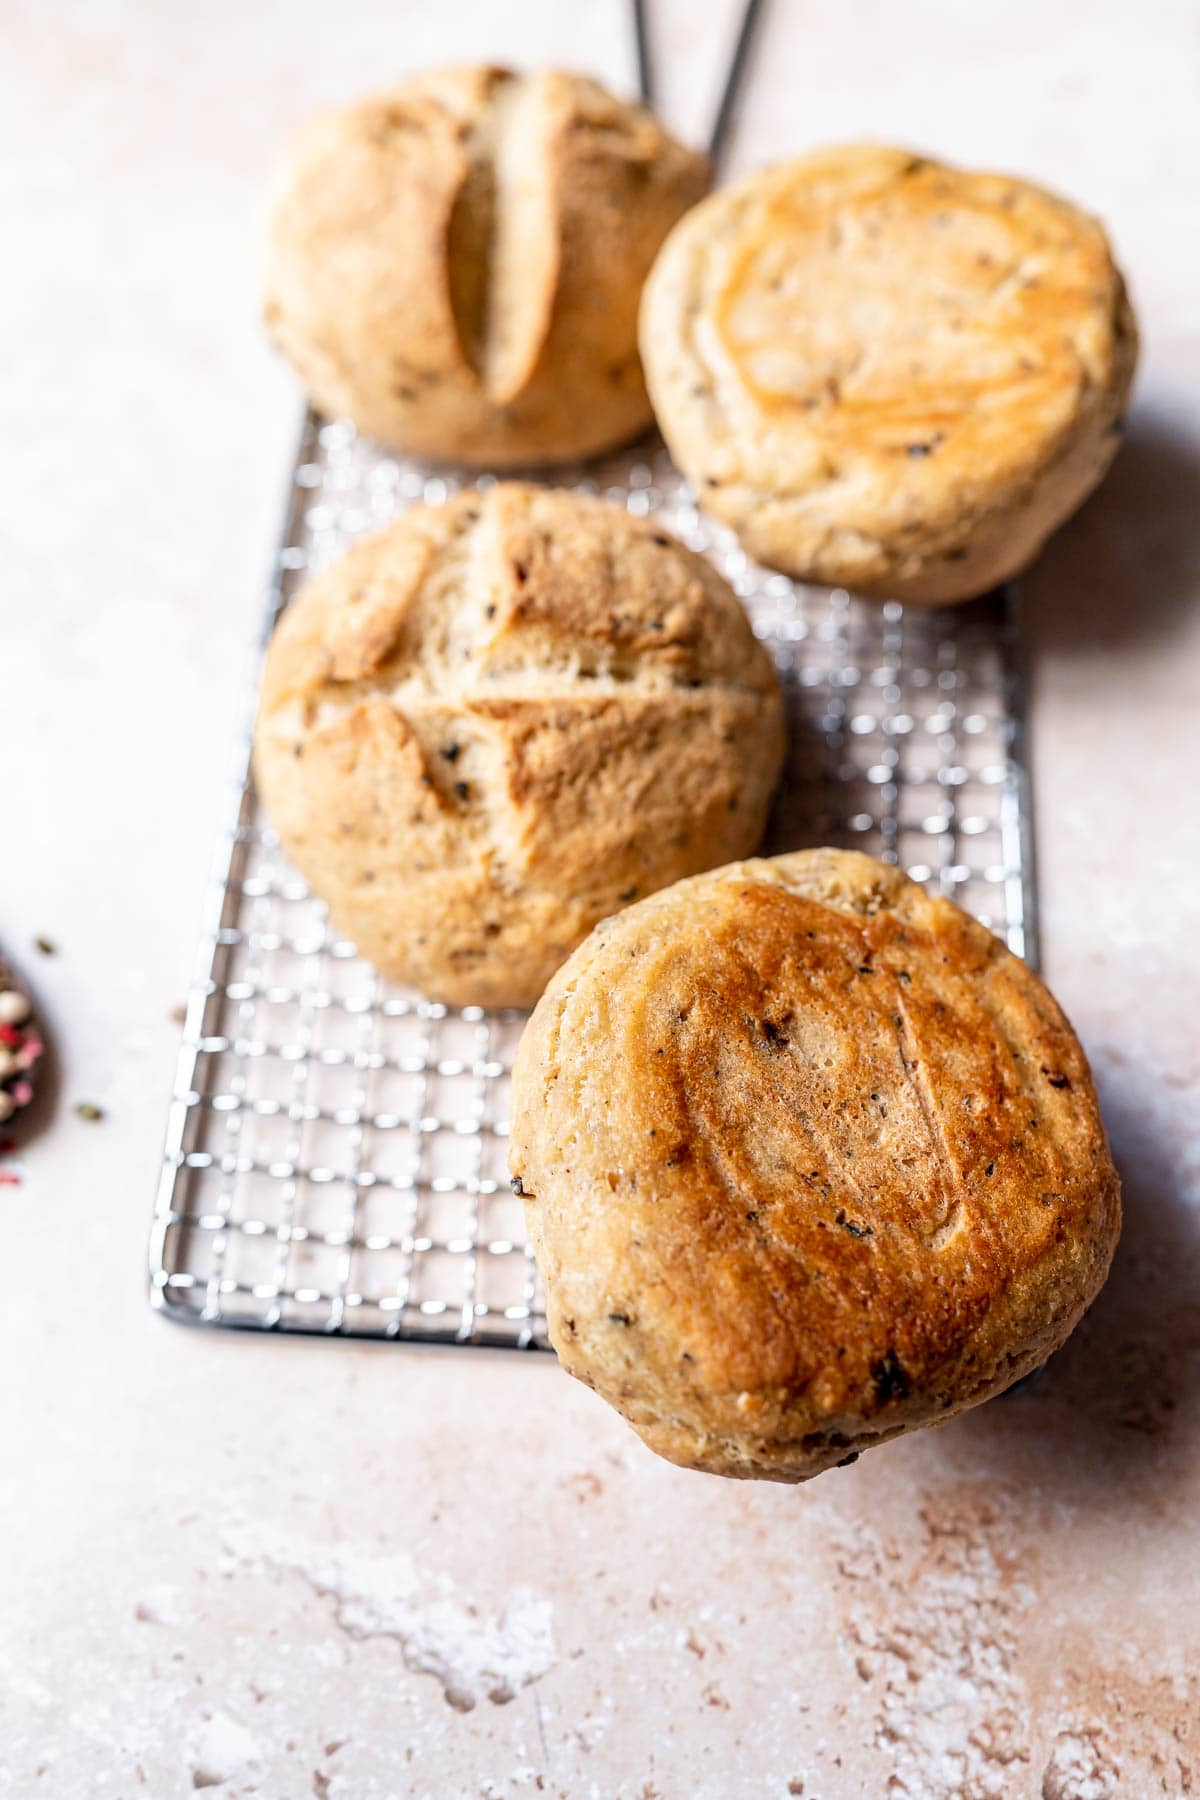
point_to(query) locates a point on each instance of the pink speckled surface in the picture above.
(299, 1570)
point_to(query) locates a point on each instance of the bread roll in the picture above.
(809, 1159)
(456, 264)
(497, 720)
(887, 374)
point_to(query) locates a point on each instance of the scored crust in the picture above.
(809, 1158)
(497, 720)
(455, 265)
(888, 374)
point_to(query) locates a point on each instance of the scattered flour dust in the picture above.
(1080, 1768)
(934, 1636)
(160, 1604)
(935, 1627)
(474, 1657)
(222, 1749)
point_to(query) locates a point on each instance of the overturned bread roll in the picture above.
(888, 374)
(809, 1159)
(497, 720)
(456, 265)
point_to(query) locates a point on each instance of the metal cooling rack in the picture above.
(335, 1156)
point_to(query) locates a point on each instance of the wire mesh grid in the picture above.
(336, 1149)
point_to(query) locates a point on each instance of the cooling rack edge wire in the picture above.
(335, 1152)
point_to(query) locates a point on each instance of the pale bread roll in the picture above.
(497, 720)
(455, 265)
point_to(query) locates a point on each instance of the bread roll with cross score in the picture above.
(496, 720)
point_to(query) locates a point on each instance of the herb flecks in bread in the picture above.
(496, 721)
(809, 1159)
(456, 265)
(888, 374)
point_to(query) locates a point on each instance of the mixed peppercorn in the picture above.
(20, 1047)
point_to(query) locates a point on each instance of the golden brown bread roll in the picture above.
(887, 374)
(809, 1159)
(455, 265)
(497, 720)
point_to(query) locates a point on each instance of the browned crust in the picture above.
(810, 1159)
(886, 373)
